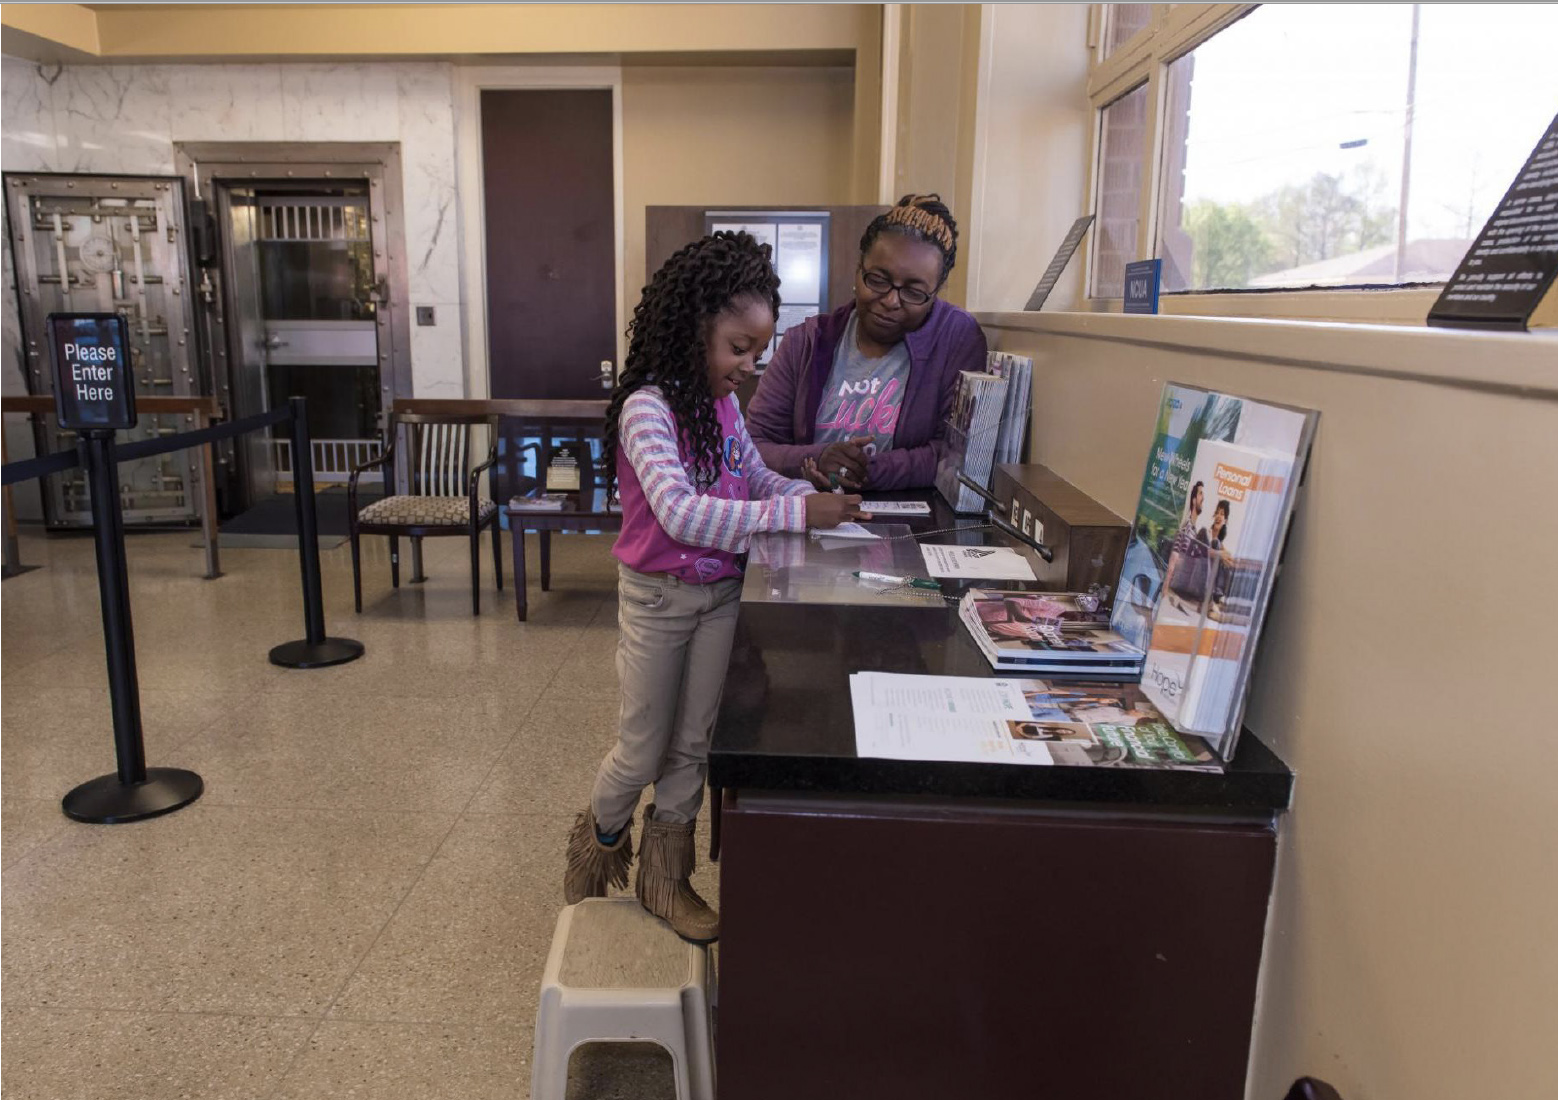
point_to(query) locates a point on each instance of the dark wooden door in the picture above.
(551, 245)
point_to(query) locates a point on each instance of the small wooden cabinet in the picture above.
(922, 949)
(1088, 539)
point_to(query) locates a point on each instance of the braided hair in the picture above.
(666, 339)
(920, 218)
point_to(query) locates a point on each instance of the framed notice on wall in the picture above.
(800, 242)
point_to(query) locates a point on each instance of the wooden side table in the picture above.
(572, 517)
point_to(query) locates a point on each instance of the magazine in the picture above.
(1187, 418)
(972, 432)
(1023, 721)
(1046, 632)
(550, 502)
(1018, 372)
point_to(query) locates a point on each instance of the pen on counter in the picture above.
(888, 578)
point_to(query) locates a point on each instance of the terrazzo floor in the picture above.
(361, 903)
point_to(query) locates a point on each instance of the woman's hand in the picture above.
(847, 461)
(824, 510)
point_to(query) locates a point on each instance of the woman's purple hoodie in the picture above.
(782, 415)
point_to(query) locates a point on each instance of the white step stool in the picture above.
(617, 974)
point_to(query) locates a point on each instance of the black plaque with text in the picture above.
(1513, 261)
(1063, 256)
(93, 390)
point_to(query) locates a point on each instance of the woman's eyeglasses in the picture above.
(879, 284)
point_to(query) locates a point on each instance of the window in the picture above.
(1124, 130)
(1321, 145)
(1124, 22)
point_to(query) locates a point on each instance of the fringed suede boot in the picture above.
(593, 866)
(665, 864)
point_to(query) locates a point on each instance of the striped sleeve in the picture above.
(647, 436)
(764, 482)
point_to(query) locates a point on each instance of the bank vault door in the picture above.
(303, 303)
(111, 244)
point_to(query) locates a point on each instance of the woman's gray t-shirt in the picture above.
(862, 396)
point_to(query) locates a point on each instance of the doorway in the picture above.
(549, 205)
(303, 299)
(304, 296)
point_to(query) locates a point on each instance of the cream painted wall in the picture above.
(731, 137)
(207, 32)
(1410, 953)
(1029, 158)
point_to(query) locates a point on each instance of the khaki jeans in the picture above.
(673, 649)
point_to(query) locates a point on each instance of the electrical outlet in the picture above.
(425, 315)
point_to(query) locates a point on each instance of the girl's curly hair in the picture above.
(667, 333)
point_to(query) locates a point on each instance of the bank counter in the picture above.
(912, 929)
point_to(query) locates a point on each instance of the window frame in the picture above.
(1173, 31)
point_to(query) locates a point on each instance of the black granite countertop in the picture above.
(786, 723)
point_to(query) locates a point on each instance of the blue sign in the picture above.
(1142, 279)
(93, 390)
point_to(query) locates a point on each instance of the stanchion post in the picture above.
(315, 650)
(208, 525)
(135, 792)
(12, 566)
(308, 521)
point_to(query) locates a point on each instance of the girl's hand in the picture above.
(811, 473)
(824, 510)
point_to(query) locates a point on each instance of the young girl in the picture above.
(693, 492)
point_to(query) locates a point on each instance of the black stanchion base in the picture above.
(301, 654)
(106, 801)
(9, 571)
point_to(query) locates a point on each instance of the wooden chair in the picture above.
(440, 497)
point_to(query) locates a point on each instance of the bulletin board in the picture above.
(668, 228)
(799, 240)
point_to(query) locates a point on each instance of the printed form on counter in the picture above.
(956, 718)
(986, 563)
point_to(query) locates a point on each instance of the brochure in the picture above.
(972, 432)
(1022, 721)
(1225, 543)
(1187, 419)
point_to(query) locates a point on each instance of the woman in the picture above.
(1185, 579)
(862, 394)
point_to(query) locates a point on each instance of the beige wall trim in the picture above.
(979, 168)
(248, 31)
(469, 83)
(1510, 363)
(50, 32)
(892, 47)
